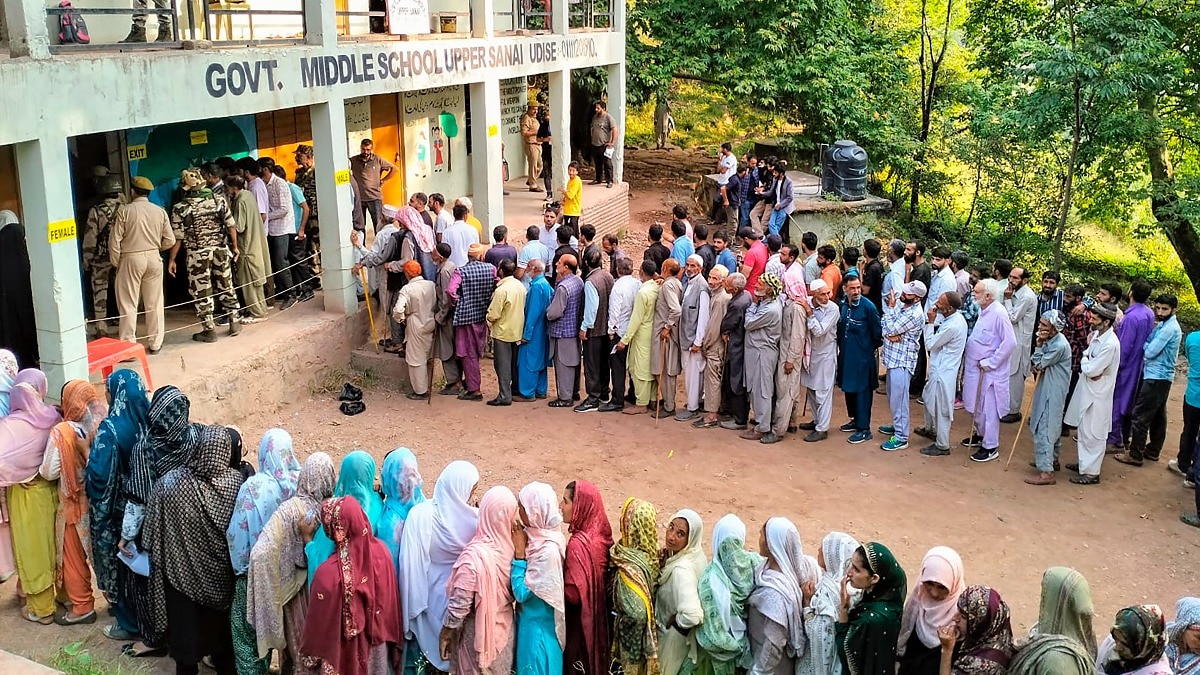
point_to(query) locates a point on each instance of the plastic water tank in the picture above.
(844, 171)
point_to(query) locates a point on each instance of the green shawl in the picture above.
(1066, 607)
(1049, 653)
(729, 578)
(635, 558)
(867, 644)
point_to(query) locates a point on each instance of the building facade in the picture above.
(443, 104)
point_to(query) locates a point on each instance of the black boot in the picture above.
(164, 33)
(136, 34)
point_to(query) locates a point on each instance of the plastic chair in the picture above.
(105, 353)
(227, 19)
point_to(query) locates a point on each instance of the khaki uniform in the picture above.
(533, 149)
(140, 231)
(203, 222)
(95, 256)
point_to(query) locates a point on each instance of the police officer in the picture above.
(95, 246)
(202, 221)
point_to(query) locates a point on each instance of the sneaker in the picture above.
(732, 426)
(1173, 466)
(686, 415)
(1189, 484)
(291, 300)
(1011, 418)
(893, 444)
(815, 436)
(972, 441)
(887, 429)
(985, 455)
(307, 295)
(611, 407)
(807, 426)
(926, 432)
(848, 428)
(932, 450)
(920, 401)
(861, 437)
(590, 405)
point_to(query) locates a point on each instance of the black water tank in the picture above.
(844, 171)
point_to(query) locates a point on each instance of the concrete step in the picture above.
(386, 367)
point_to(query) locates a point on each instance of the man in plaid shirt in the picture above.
(901, 342)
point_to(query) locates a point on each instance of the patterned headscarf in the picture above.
(774, 285)
(261, 495)
(1142, 630)
(635, 558)
(401, 491)
(987, 647)
(168, 443)
(1055, 318)
(1187, 615)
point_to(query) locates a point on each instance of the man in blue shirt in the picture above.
(683, 247)
(725, 257)
(1191, 412)
(533, 248)
(1158, 370)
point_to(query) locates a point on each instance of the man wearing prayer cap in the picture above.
(1051, 363)
(1090, 409)
(793, 350)
(764, 326)
(986, 370)
(820, 367)
(415, 304)
(471, 288)
(901, 342)
(693, 328)
(945, 338)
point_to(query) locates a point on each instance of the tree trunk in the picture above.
(1164, 200)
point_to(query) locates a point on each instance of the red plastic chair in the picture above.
(105, 353)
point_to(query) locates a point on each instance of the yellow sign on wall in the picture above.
(61, 230)
(493, 129)
(342, 177)
(137, 152)
(199, 137)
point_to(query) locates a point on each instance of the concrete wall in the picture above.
(611, 214)
(434, 162)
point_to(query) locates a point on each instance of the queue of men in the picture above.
(760, 339)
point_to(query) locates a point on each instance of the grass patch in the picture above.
(75, 659)
(330, 381)
(704, 117)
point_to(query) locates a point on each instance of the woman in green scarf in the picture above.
(1063, 641)
(867, 634)
(635, 559)
(725, 586)
(356, 478)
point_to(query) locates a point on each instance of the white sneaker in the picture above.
(1189, 484)
(1173, 465)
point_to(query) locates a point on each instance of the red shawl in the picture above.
(353, 603)
(584, 572)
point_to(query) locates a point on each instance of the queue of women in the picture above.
(202, 557)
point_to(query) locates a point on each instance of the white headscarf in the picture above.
(693, 552)
(837, 548)
(413, 563)
(454, 519)
(787, 550)
(8, 218)
(545, 552)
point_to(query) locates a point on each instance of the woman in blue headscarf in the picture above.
(402, 490)
(356, 478)
(257, 500)
(128, 410)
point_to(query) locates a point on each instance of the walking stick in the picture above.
(362, 274)
(1024, 417)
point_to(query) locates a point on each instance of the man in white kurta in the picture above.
(414, 307)
(945, 337)
(1021, 303)
(986, 370)
(793, 344)
(820, 368)
(1090, 409)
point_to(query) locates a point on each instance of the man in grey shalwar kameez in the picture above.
(443, 314)
(764, 328)
(563, 315)
(1051, 363)
(821, 364)
(665, 363)
(793, 347)
(945, 338)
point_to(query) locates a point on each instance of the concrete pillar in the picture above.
(320, 23)
(336, 202)
(616, 108)
(28, 31)
(46, 202)
(487, 162)
(560, 125)
(559, 16)
(483, 20)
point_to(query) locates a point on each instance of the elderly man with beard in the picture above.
(1090, 410)
(1021, 303)
(533, 358)
(793, 344)
(820, 368)
(638, 338)
(945, 336)
(665, 363)
(471, 287)
(986, 370)
(733, 332)
(1051, 363)
(859, 337)
(763, 327)
(693, 328)
(414, 308)
(564, 315)
(712, 347)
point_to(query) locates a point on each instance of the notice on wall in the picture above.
(358, 122)
(199, 137)
(408, 17)
(514, 98)
(61, 230)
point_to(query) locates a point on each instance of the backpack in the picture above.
(72, 30)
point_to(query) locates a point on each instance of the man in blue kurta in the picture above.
(859, 335)
(533, 359)
(1051, 361)
(1132, 332)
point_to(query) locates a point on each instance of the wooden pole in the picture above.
(1024, 418)
(362, 274)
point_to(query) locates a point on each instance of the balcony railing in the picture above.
(590, 14)
(165, 25)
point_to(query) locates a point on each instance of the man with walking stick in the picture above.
(1051, 363)
(986, 373)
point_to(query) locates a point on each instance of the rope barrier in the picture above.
(252, 282)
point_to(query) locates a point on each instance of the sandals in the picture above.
(33, 618)
(1084, 479)
(65, 620)
(704, 424)
(1190, 519)
(128, 650)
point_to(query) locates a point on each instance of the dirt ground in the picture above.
(1123, 535)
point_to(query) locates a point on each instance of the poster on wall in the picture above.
(433, 142)
(514, 98)
(408, 17)
(358, 122)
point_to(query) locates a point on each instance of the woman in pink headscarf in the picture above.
(477, 637)
(932, 604)
(537, 582)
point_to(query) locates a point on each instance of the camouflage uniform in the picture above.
(201, 220)
(95, 256)
(306, 179)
